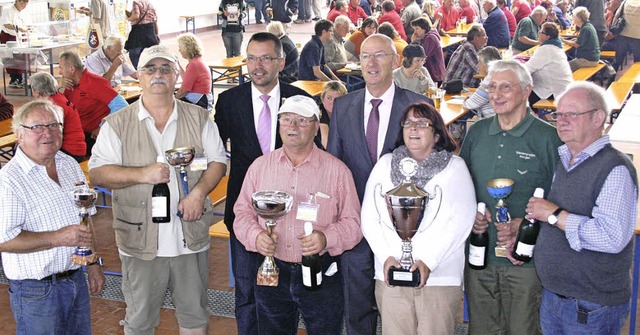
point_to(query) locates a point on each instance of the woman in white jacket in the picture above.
(548, 66)
(438, 245)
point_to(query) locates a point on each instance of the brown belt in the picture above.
(61, 275)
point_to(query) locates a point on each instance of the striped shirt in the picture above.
(31, 201)
(613, 217)
(338, 216)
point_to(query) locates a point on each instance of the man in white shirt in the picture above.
(110, 63)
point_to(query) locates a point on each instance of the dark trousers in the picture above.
(134, 56)
(279, 307)
(245, 267)
(623, 46)
(361, 314)
(90, 142)
(14, 74)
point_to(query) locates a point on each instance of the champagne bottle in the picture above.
(479, 245)
(311, 267)
(160, 201)
(527, 235)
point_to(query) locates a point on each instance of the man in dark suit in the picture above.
(365, 125)
(243, 116)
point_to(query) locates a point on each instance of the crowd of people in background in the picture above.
(345, 148)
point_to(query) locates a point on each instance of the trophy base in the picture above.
(267, 279)
(501, 251)
(402, 277)
(84, 259)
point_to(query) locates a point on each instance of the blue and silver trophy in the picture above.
(499, 189)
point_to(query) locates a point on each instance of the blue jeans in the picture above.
(304, 10)
(232, 41)
(51, 306)
(245, 268)
(261, 10)
(134, 56)
(279, 307)
(571, 316)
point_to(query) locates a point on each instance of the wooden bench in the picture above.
(585, 73)
(632, 74)
(616, 96)
(607, 54)
(192, 19)
(7, 146)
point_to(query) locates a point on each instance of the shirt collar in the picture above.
(386, 96)
(313, 159)
(26, 164)
(143, 113)
(275, 92)
(589, 151)
(516, 131)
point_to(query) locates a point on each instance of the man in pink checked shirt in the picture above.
(301, 169)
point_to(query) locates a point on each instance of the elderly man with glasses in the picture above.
(504, 297)
(463, 63)
(323, 188)
(586, 222)
(129, 159)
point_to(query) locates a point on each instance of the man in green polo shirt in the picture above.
(526, 35)
(504, 298)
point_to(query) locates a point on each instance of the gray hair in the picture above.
(384, 38)
(595, 94)
(524, 77)
(32, 106)
(488, 54)
(493, 2)
(73, 59)
(539, 10)
(475, 30)
(44, 83)
(276, 28)
(582, 13)
(342, 20)
(113, 40)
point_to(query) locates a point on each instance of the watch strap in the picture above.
(557, 211)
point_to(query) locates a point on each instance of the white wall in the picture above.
(169, 12)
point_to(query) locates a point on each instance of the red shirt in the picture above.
(333, 14)
(355, 13)
(511, 20)
(468, 13)
(72, 134)
(449, 18)
(395, 20)
(197, 77)
(91, 97)
(399, 6)
(523, 10)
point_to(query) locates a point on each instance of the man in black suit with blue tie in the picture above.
(247, 115)
(364, 126)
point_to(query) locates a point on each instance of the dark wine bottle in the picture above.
(160, 201)
(311, 267)
(479, 245)
(527, 235)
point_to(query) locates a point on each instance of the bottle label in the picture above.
(319, 277)
(159, 207)
(524, 249)
(306, 276)
(476, 255)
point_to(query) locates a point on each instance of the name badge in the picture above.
(307, 212)
(199, 164)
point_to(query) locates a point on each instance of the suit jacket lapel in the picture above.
(356, 119)
(399, 101)
(245, 116)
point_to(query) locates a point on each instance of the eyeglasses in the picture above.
(417, 124)
(570, 115)
(39, 128)
(261, 59)
(299, 121)
(164, 69)
(378, 56)
(506, 88)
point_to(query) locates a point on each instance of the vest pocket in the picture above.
(130, 235)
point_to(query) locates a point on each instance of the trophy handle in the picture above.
(436, 190)
(375, 203)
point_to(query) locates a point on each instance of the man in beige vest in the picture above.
(160, 255)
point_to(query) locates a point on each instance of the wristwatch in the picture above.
(99, 262)
(553, 218)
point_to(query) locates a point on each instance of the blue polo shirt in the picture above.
(497, 29)
(312, 55)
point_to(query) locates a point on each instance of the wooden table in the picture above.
(447, 41)
(5, 127)
(312, 87)
(464, 29)
(227, 68)
(617, 94)
(451, 112)
(632, 74)
(567, 33)
(352, 78)
(529, 52)
(585, 73)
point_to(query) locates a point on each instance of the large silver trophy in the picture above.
(406, 205)
(181, 157)
(499, 189)
(270, 205)
(85, 198)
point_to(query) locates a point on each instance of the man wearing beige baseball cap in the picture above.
(323, 193)
(128, 157)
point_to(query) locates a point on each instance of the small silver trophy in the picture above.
(181, 157)
(406, 204)
(85, 198)
(499, 189)
(270, 205)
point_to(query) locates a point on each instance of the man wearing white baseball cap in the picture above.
(128, 157)
(324, 193)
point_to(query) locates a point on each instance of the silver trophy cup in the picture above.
(85, 198)
(499, 189)
(270, 205)
(181, 157)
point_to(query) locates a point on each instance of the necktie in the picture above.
(372, 130)
(264, 125)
